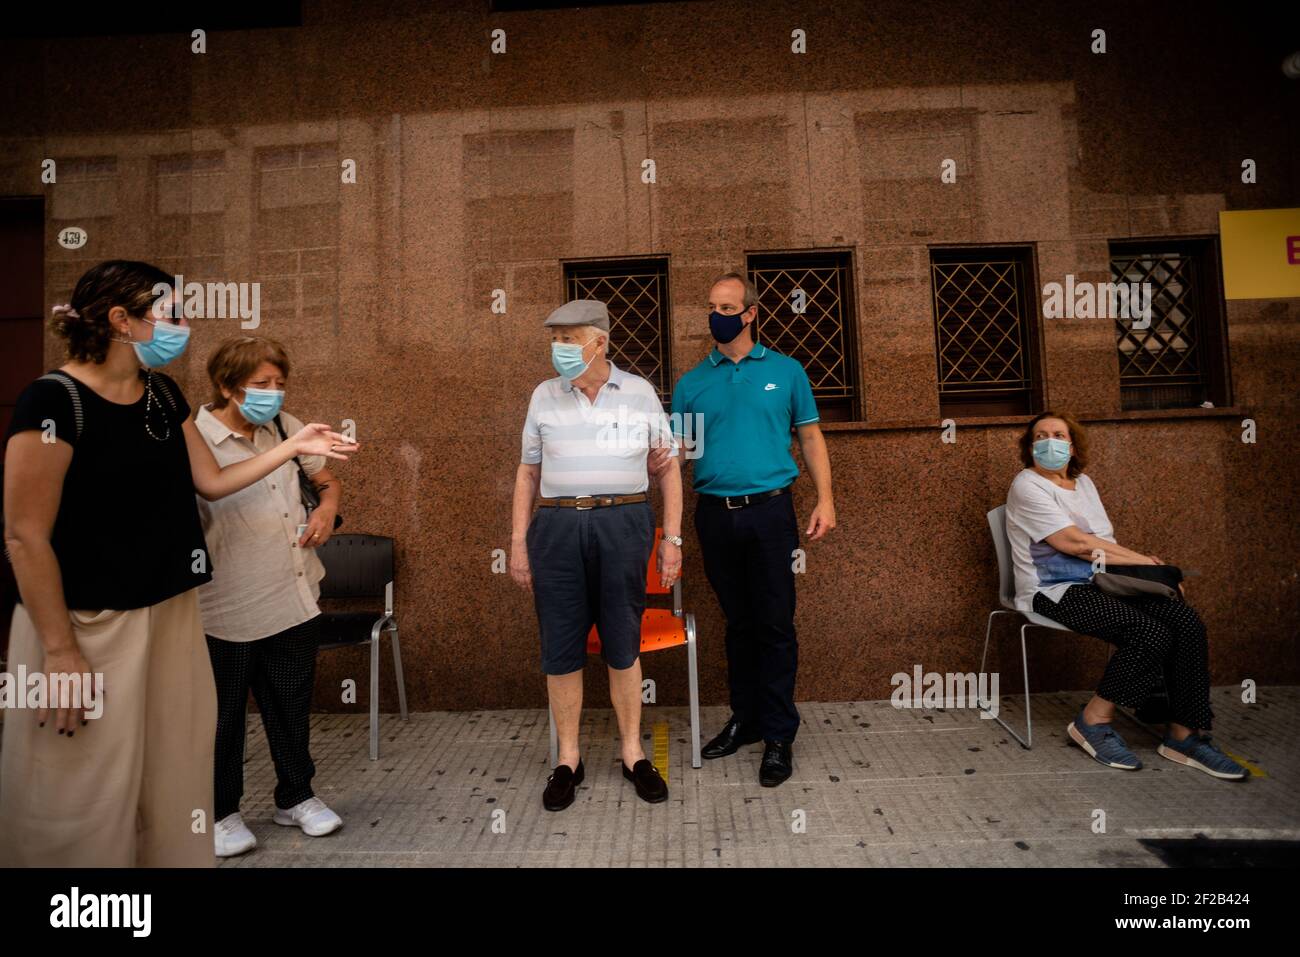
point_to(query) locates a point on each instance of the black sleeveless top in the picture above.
(127, 534)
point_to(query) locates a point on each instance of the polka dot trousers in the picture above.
(1152, 635)
(280, 671)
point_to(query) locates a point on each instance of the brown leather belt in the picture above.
(584, 502)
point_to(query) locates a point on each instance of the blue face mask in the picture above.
(567, 359)
(1052, 454)
(724, 327)
(167, 343)
(261, 405)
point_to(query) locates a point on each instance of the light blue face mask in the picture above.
(1052, 454)
(261, 405)
(566, 357)
(168, 342)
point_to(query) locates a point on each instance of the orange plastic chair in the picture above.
(661, 628)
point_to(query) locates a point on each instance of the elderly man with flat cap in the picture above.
(584, 553)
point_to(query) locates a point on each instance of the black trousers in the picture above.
(280, 671)
(1153, 636)
(748, 559)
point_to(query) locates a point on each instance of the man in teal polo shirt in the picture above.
(738, 408)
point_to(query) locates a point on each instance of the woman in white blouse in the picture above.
(260, 611)
(1058, 527)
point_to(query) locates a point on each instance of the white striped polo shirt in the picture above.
(598, 448)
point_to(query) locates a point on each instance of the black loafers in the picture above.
(730, 740)
(649, 785)
(561, 787)
(777, 764)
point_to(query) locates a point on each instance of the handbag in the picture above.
(1140, 581)
(307, 489)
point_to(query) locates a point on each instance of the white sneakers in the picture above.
(315, 819)
(232, 836)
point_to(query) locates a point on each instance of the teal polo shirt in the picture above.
(743, 412)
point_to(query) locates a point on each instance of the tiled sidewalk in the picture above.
(874, 786)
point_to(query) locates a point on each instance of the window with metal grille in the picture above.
(985, 329)
(805, 310)
(636, 294)
(1175, 357)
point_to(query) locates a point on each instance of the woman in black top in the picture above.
(102, 464)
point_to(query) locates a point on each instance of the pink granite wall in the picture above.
(478, 172)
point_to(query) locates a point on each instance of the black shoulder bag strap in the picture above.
(77, 414)
(307, 489)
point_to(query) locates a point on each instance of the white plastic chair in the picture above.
(1007, 598)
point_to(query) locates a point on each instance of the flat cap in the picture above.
(580, 312)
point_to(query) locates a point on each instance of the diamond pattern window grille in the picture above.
(1165, 359)
(636, 293)
(980, 327)
(821, 336)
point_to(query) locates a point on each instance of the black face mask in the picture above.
(725, 328)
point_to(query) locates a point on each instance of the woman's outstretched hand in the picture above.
(319, 439)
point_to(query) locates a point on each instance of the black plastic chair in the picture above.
(360, 567)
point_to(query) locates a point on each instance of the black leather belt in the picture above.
(743, 501)
(584, 502)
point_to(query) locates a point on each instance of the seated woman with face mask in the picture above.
(260, 611)
(1057, 527)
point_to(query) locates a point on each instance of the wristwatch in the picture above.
(673, 540)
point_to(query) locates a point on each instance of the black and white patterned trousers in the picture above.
(280, 670)
(1152, 635)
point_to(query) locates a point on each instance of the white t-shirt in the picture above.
(1037, 508)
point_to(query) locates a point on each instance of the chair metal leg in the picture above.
(374, 696)
(397, 667)
(988, 631)
(1026, 742)
(693, 673)
(555, 739)
(1029, 721)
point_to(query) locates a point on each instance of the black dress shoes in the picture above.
(649, 785)
(776, 765)
(561, 787)
(730, 740)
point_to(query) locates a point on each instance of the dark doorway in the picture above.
(22, 314)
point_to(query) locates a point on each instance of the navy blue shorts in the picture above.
(589, 568)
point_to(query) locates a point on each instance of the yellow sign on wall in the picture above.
(1261, 253)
